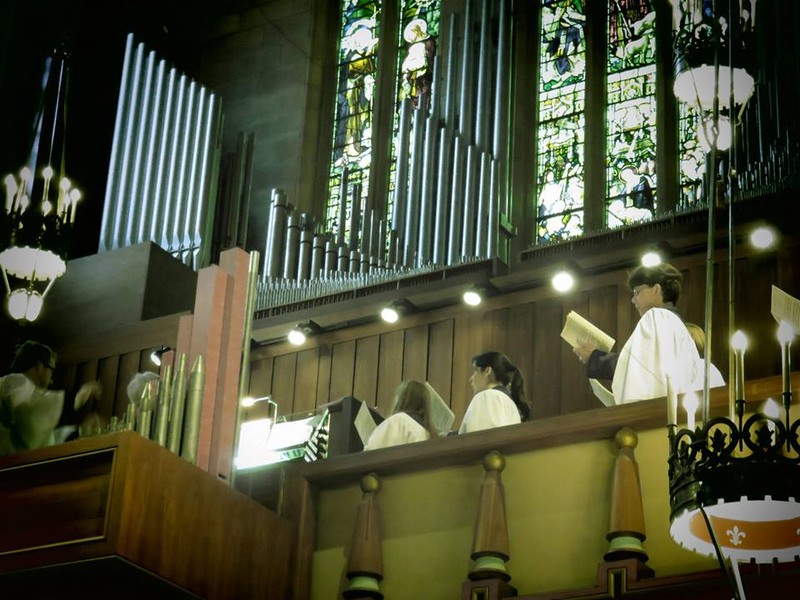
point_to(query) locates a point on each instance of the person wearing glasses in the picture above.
(29, 411)
(659, 347)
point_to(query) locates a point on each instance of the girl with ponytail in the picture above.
(499, 390)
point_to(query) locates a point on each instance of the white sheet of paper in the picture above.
(364, 423)
(602, 392)
(441, 415)
(785, 308)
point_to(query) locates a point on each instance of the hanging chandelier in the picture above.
(711, 58)
(39, 210)
(735, 480)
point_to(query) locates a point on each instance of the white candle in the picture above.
(672, 403)
(785, 336)
(690, 404)
(739, 344)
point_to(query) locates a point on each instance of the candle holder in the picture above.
(748, 495)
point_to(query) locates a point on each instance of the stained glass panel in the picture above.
(630, 113)
(693, 161)
(352, 141)
(561, 130)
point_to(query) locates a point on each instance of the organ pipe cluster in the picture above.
(450, 178)
(164, 159)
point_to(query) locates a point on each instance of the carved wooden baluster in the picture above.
(625, 559)
(488, 577)
(365, 566)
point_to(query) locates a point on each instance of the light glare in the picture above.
(563, 281)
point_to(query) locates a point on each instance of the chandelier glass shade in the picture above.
(38, 214)
(711, 59)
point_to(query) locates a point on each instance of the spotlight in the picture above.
(390, 314)
(297, 337)
(472, 296)
(563, 281)
(300, 332)
(763, 237)
(155, 355)
(651, 259)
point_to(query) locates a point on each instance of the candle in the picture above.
(785, 335)
(672, 403)
(739, 344)
(772, 410)
(690, 404)
(11, 189)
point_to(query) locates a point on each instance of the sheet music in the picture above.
(578, 331)
(785, 308)
(441, 415)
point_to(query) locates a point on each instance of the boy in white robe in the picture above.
(659, 347)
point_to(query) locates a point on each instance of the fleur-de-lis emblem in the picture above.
(736, 535)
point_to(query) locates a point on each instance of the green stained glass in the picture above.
(693, 157)
(560, 136)
(630, 113)
(352, 141)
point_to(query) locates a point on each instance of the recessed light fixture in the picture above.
(563, 281)
(763, 237)
(390, 314)
(472, 297)
(651, 259)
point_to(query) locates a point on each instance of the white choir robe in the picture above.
(32, 412)
(489, 408)
(660, 346)
(399, 428)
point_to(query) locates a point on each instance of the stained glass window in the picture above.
(348, 181)
(631, 112)
(693, 161)
(560, 136)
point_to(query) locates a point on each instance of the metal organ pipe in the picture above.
(149, 223)
(401, 177)
(481, 93)
(330, 257)
(304, 259)
(470, 184)
(448, 110)
(465, 106)
(481, 214)
(137, 193)
(413, 203)
(456, 201)
(355, 213)
(342, 207)
(493, 228)
(343, 259)
(426, 191)
(500, 128)
(317, 256)
(443, 179)
(292, 246)
(277, 231)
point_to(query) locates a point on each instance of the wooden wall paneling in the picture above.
(343, 357)
(107, 372)
(467, 343)
(128, 367)
(440, 357)
(324, 375)
(494, 330)
(691, 304)
(546, 388)
(261, 377)
(390, 369)
(415, 353)
(521, 342)
(627, 317)
(365, 378)
(69, 375)
(305, 380)
(283, 378)
(754, 276)
(574, 389)
(603, 311)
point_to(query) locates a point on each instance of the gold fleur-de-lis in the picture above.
(736, 535)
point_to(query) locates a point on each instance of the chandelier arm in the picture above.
(737, 593)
